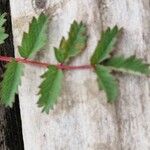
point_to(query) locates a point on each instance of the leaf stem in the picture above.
(41, 64)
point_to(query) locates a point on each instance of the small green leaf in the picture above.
(50, 88)
(107, 82)
(3, 35)
(105, 45)
(36, 37)
(61, 54)
(75, 43)
(129, 65)
(10, 82)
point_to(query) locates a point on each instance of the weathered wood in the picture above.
(83, 119)
(10, 123)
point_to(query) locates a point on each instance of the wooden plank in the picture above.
(133, 107)
(83, 119)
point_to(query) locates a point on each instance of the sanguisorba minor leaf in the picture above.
(36, 37)
(3, 35)
(131, 65)
(75, 43)
(50, 88)
(10, 82)
(105, 45)
(107, 83)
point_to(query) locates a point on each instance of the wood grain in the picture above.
(82, 119)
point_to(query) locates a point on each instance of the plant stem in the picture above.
(41, 64)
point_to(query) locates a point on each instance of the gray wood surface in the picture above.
(82, 119)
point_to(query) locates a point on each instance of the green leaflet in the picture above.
(50, 88)
(105, 45)
(107, 82)
(11, 80)
(61, 53)
(75, 43)
(36, 37)
(3, 35)
(130, 65)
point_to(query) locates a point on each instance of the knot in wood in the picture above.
(40, 4)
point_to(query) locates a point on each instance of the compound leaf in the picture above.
(129, 65)
(36, 37)
(75, 43)
(107, 83)
(10, 82)
(3, 35)
(105, 45)
(50, 88)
